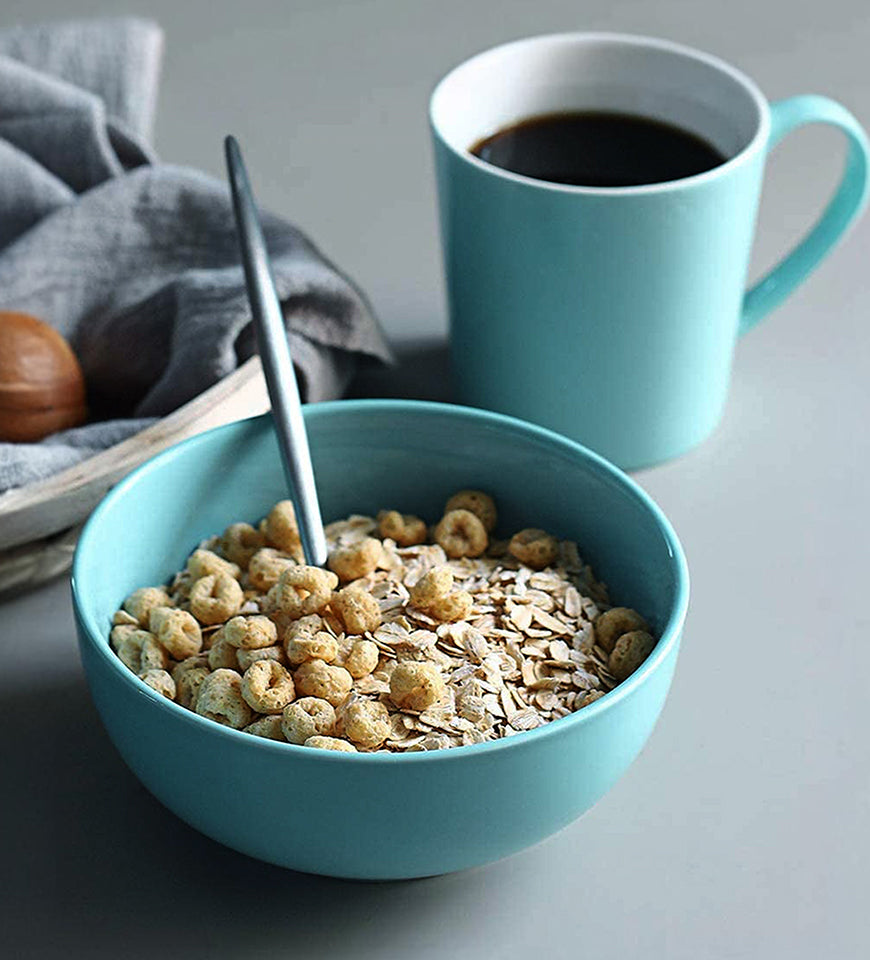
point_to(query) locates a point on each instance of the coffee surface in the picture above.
(598, 149)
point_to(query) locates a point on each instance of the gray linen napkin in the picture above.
(136, 262)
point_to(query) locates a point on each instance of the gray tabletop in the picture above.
(742, 830)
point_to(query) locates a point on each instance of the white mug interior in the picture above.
(610, 72)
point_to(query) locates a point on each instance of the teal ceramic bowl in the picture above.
(378, 816)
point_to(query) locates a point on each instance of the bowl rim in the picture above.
(89, 630)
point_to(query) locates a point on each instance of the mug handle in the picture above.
(845, 205)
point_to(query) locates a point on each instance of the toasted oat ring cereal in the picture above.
(366, 723)
(223, 654)
(215, 598)
(356, 559)
(613, 623)
(160, 681)
(188, 676)
(460, 533)
(362, 659)
(282, 530)
(239, 543)
(404, 528)
(177, 631)
(308, 717)
(266, 566)
(358, 609)
(318, 679)
(535, 548)
(629, 652)
(479, 503)
(205, 563)
(245, 658)
(251, 633)
(301, 591)
(268, 727)
(220, 699)
(141, 602)
(416, 686)
(267, 686)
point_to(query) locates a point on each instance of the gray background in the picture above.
(742, 830)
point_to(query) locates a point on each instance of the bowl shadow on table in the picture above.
(125, 877)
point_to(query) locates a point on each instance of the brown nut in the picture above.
(301, 591)
(318, 679)
(366, 723)
(416, 686)
(362, 658)
(612, 624)
(160, 681)
(215, 598)
(220, 699)
(330, 743)
(282, 531)
(356, 559)
(404, 528)
(239, 542)
(267, 727)
(206, 563)
(177, 631)
(479, 503)
(267, 687)
(629, 653)
(266, 566)
(460, 533)
(308, 717)
(358, 609)
(535, 548)
(140, 603)
(251, 633)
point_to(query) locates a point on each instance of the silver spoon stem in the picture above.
(277, 363)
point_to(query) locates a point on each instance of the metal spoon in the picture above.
(277, 364)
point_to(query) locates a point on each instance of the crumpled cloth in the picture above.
(134, 261)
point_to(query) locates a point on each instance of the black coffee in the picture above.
(598, 149)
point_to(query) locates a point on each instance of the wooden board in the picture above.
(43, 509)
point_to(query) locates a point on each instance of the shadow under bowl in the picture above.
(381, 815)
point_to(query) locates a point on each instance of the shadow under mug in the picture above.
(610, 314)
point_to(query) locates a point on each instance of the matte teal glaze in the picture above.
(611, 314)
(328, 813)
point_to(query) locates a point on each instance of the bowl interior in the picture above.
(370, 455)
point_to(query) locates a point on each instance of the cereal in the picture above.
(220, 699)
(245, 658)
(307, 717)
(318, 679)
(613, 623)
(416, 686)
(358, 609)
(535, 548)
(141, 602)
(177, 631)
(251, 633)
(362, 658)
(330, 743)
(206, 563)
(629, 653)
(160, 681)
(460, 533)
(215, 598)
(268, 727)
(477, 502)
(266, 566)
(404, 528)
(427, 645)
(356, 559)
(366, 723)
(282, 530)
(302, 590)
(267, 687)
(239, 542)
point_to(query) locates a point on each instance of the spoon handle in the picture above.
(277, 364)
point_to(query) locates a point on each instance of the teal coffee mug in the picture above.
(610, 314)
